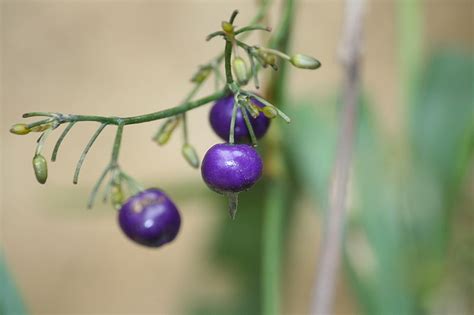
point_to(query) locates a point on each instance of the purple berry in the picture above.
(150, 218)
(231, 167)
(221, 115)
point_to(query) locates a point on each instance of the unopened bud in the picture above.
(269, 112)
(41, 168)
(227, 27)
(269, 59)
(304, 62)
(253, 109)
(190, 155)
(20, 129)
(166, 130)
(117, 195)
(240, 70)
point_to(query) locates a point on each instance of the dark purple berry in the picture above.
(231, 167)
(221, 115)
(150, 218)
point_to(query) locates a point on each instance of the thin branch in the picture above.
(253, 138)
(60, 140)
(329, 259)
(86, 150)
(95, 190)
(253, 28)
(117, 144)
(232, 122)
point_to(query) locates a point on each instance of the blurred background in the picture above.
(409, 239)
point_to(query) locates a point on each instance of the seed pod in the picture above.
(304, 62)
(117, 196)
(240, 70)
(41, 168)
(164, 134)
(190, 155)
(227, 27)
(269, 112)
(20, 129)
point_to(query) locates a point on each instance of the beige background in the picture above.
(132, 57)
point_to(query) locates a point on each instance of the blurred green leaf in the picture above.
(10, 299)
(399, 223)
(311, 141)
(403, 199)
(442, 117)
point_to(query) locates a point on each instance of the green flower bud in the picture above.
(190, 155)
(253, 109)
(240, 70)
(20, 129)
(41, 168)
(227, 27)
(117, 196)
(304, 62)
(268, 58)
(166, 130)
(269, 112)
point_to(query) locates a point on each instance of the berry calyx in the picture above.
(220, 117)
(231, 168)
(150, 218)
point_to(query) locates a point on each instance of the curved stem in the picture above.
(147, 117)
(252, 28)
(95, 190)
(86, 150)
(60, 140)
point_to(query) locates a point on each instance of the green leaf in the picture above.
(10, 299)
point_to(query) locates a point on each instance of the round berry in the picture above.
(150, 218)
(232, 168)
(221, 115)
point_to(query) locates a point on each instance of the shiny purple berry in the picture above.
(150, 218)
(221, 115)
(231, 167)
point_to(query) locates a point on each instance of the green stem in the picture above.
(272, 245)
(253, 138)
(86, 150)
(232, 122)
(147, 117)
(117, 144)
(277, 194)
(60, 140)
(252, 28)
(275, 52)
(95, 190)
(227, 61)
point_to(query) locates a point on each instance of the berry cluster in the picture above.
(239, 117)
